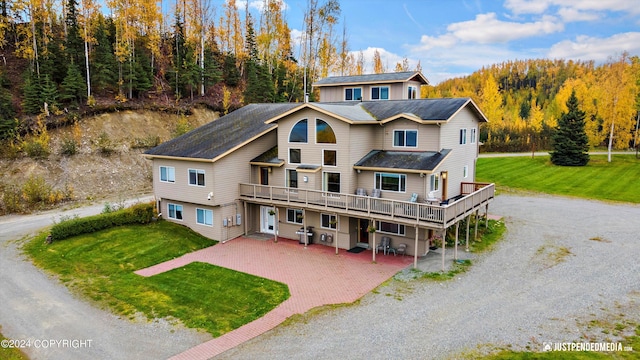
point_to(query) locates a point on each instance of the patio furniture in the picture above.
(376, 193)
(385, 243)
(402, 249)
(361, 192)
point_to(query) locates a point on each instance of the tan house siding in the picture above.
(461, 155)
(191, 193)
(397, 91)
(428, 135)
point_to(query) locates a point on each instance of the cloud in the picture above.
(487, 29)
(595, 48)
(519, 7)
(574, 15)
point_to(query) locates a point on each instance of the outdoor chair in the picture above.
(376, 193)
(401, 249)
(385, 242)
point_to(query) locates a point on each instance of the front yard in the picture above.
(101, 265)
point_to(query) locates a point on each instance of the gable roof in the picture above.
(411, 161)
(220, 136)
(372, 79)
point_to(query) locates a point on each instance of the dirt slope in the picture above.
(93, 175)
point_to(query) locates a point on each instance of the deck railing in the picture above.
(357, 205)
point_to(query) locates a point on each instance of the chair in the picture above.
(401, 249)
(385, 242)
(361, 192)
(414, 198)
(376, 193)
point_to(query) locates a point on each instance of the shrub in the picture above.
(11, 200)
(35, 149)
(36, 190)
(136, 214)
(105, 145)
(69, 147)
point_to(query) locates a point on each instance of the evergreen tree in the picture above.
(8, 122)
(571, 144)
(74, 89)
(49, 92)
(73, 45)
(230, 72)
(32, 102)
(104, 76)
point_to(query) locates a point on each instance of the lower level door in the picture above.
(363, 234)
(267, 220)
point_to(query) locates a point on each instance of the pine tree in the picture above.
(571, 144)
(74, 89)
(104, 76)
(32, 94)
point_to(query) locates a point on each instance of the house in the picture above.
(339, 169)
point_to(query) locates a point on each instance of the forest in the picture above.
(65, 59)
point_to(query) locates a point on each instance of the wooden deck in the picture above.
(437, 216)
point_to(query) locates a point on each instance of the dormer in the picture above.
(373, 87)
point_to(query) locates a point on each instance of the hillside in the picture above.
(91, 174)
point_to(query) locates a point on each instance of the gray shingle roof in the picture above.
(219, 136)
(369, 78)
(406, 160)
(425, 109)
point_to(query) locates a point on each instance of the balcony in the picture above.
(474, 196)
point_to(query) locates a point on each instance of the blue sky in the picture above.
(454, 38)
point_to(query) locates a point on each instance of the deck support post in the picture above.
(455, 246)
(275, 238)
(475, 237)
(486, 216)
(373, 237)
(246, 226)
(304, 228)
(444, 236)
(467, 234)
(335, 238)
(415, 250)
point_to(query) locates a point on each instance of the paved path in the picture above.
(36, 307)
(316, 276)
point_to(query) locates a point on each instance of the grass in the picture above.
(100, 266)
(10, 353)
(599, 180)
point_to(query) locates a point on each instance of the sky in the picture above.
(453, 38)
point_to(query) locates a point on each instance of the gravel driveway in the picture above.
(36, 308)
(563, 261)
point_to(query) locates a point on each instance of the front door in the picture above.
(267, 220)
(443, 176)
(363, 234)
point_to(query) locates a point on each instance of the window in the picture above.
(294, 216)
(405, 138)
(175, 211)
(391, 182)
(412, 92)
(434, 182)
(294, 156)
(328, 221)
(329, 157)
(299, 132)
(331, 182)
(292, 178)
(167, 174)
(465, 171)
(196, 177)
(204, 217)
(324, 133)
(390, 228)
(473, 136)
(463, 136)
(353, 94)
(380, 93)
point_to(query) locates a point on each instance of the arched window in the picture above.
(299, 132)
(324, 133)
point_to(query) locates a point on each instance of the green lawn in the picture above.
(10, 353)
(600, 180)
(101, 265)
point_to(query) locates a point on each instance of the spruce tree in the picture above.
(570, 141)
(32, 102)
(74, 89)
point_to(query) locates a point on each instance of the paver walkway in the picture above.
(316, 276)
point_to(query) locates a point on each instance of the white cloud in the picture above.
(594, 48)
(519, 7)
(487, 29)
(573, 15)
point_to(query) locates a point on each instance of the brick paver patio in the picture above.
(316, 276)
